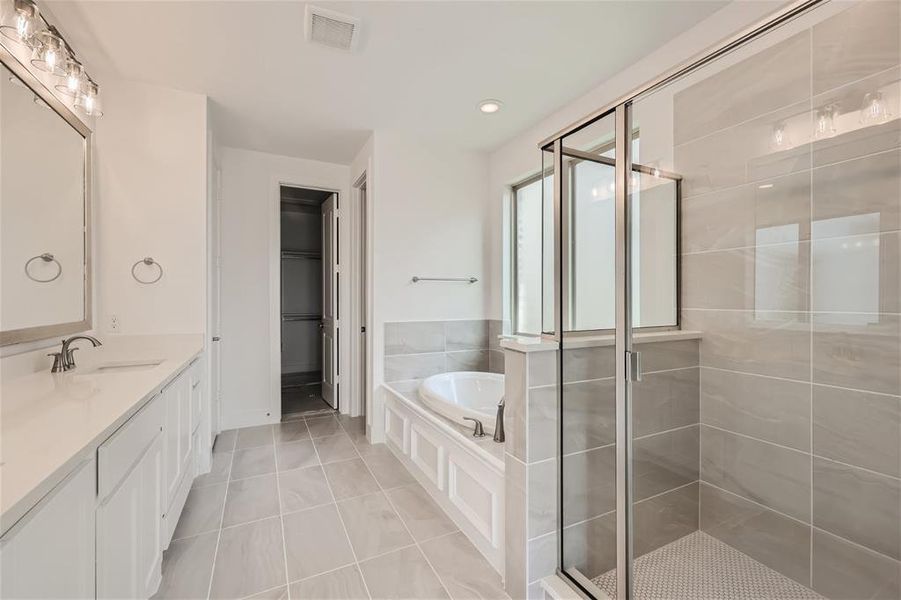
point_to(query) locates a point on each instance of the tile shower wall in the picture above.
(791, 272)
(418, 349)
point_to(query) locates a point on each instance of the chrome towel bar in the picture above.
(417, 279)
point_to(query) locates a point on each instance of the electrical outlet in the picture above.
(114, 323)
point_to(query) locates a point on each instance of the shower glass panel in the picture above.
(765, 428)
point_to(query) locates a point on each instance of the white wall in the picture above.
(520, 157)
(249, 227)
(150, 182)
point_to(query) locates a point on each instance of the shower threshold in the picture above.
(700, 567)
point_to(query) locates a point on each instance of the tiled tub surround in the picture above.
(666, 443)
(309, 508)
(415, 350)
(791, 270)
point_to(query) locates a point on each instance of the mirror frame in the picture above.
(44, 332)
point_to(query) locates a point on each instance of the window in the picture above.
(527, 264)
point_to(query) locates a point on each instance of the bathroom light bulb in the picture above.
(874, 110)
(75, 79)
(779, 137)
(25, 22)
(88, 100)
(824, 126)
(50, 56)
(490, 106)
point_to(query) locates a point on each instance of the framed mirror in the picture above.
(45, 211)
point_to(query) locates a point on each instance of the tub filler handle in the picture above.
(478, 429)
(499, 436)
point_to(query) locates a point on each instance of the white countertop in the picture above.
(52, 422)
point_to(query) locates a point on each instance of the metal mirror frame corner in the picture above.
(43, 332)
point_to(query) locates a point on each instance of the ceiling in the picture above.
(420, 66)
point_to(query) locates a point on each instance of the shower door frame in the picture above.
(627, 363)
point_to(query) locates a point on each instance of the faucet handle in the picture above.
(70, 359)
(478, 430)
(57, 362)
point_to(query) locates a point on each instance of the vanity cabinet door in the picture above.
(177, 430)
(129, 531)
(50, 552)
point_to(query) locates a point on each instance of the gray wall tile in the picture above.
(665, 461)
(665, 518)
(496, 361)
(777, 541)
(416, 337)
(584, 364)
(858, 428)
(542, 423)
(857, 351)
(847, 571)
(664, 356)
(542, 368)
(467, 360)
(515, 518)
(515, 399)
(857, 274)
(589, 415)
(858, 505)
(660, 401)
(542, 488)
(413, 366)
(771, 475)
(466, 335)
(590, 547)
(589, 483)
(775, 410)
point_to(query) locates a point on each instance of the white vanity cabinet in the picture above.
(49, 553)
(178, 449)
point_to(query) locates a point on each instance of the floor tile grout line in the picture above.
(341, 520)
(410, 533)
(281, 518)
(209, 590)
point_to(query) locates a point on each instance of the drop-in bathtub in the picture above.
(464, 394)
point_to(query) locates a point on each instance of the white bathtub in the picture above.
(464, 394)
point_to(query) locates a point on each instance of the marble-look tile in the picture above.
(250, 559)
(777, 541)
(590, 490)
(323, 426)
(463, 570)
(345, 583)
(250, 500)
(767, 277)
(296, 455)
(187, 567)
(515, 526)
(388, 471)
(775, 410)
(404, 574)
(743, 154)
(416, 337)
(665, 518)
(221, 465)
(666, 356)
(857, 274)
(857, 42)
(303, 488)
(466, 335)
(858, 141)
(202, 511)
(515, 399)
(496, 361)
(776, 344)
(664, 461)
(848, 571)
(584, 364)
(350, 478)
(495, 330)
(291, 431)
(253, 461)
(334, 448)
(857, 351)
(858, 505)
(355, 427)
(858, 428)
(467, 360)
(732, 218)
(542, 553)
(848, 193)
(776, 477)
(372, 525)
(541, 369)
(225, 441)
(413, 366)
(660, 401)
(768, 79)
(423, 517)
(276, 593)
(315, 542)
(249, 437)
(542, 498)
(590, 546)
(542, 423)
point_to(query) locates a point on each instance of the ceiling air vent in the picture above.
(331, 28)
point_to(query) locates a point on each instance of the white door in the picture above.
(330, 292)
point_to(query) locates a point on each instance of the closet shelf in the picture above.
(301, 254)
(300, 317)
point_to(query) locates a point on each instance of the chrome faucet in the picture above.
(499, 436)
(478, 430)
(64, 360)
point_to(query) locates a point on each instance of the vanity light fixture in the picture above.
(50, 56)
(75, 79)
(23, 23)
(88, 100)
(490, 106)
(780, 137)
(874, 110)
(824, 122)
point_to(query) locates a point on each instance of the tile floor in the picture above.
(309, 509)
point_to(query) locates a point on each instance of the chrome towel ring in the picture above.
(149, 262)
(46, 257)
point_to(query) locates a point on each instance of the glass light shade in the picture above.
(76, 79)
(50, 56)
(874, 110)
(89, 101)
(21, 23)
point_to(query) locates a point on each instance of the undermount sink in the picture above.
(126, 366)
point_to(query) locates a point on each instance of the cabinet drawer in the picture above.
(121, 451)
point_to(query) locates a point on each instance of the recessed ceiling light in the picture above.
(490, 106)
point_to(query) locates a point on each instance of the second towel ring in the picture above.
(46, 257)
(149, 262)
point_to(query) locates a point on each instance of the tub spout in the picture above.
(499, 436)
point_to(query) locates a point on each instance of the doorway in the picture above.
(308, 300)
